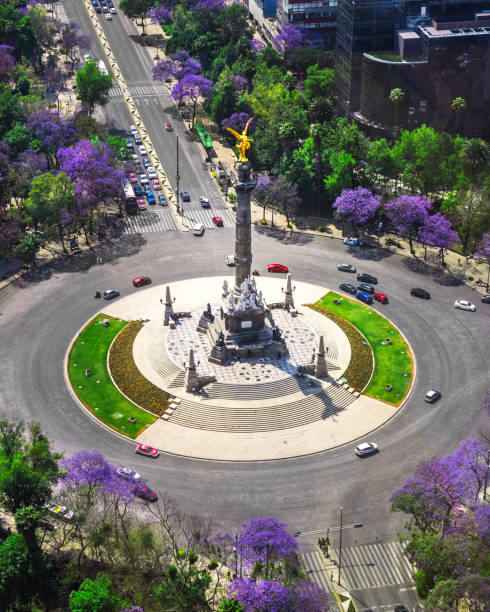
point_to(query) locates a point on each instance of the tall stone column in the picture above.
(243, 239)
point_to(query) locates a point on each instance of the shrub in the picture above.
(214, 174)
(233, 208)
(232, 197)
(321, 228)
(469, 277)
(263, 222)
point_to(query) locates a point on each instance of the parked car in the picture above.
(98, 9)
(156, 184)
(230, 260)
(348, 287)
(198, 229)
(366, 448)
(140, 281)
(144, 179)
(151, 172)
(276, 267)
(162, 200)
(346, 268)
(353, 241)
(145, 493)
(218, 221)
(432, 396)
(381, 297)
(110, 294)
(146, 162)
(148, 451)
(132, 178)
(400, 608)
(367, 278)
(464, 305)
(169, 126)
(127, 473)
(364, 297)
(365, 288)
(141, 202)
(133, 129)
(420, 293)
(486, 299)
(148, 191)
(138, 190)
(204, 201)
(184, 196)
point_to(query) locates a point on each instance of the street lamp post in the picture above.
(340, 546)
(177, 179)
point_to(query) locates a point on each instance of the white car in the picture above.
(464, 305)
(198, 229)
(230, 260)
(144, 179)
(151, 172)
(366, 448)
(112, 10)
(127, 473)
(133, 129)
(142, 150)
(108, 17)
(86, 58)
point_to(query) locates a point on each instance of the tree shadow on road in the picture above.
(284, 236)
(439, 275)
(369, 253)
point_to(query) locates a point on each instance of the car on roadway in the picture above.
(400, 608)
(138, 190)
(230, 260)
(141, 202)
(137, 139)
(343, 267)
(464, 305)
(162, 200)
(151, 198)
(129, 144)
(367, 278)
(127, 473)
(142, 150)
(148, 190)
(366, 448)
(204, 201)
(420, 293)
(146, 162)
(432, 396)
(365, 288)
(132, 178)
(133, 129)
(110, 294)
(86, 57)
(145, 493)
(381, 297)
(98, 9)
(148, 451)
(198, 229)
(218, 221)
(156, 184)
(112, 10)
(184, 196)
(108, 16)
(169, 126)
(276, 267)
(353, 241)
(105, 8)
(348, 288)
(151, 172)
(486, 299)
(144, 179)
(364, 297)
(141, 281)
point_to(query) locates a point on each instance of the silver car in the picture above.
(464, 305)
(366, 448)
(343, 267)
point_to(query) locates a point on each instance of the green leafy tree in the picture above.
(15, 574)
(223, 102)
(136, 9)
(230, 605)
(341, 174)
(458, 106)
(95, 596)
(93, 85)
(396, 97)
(318, 83)
(184, 589)
(475, 159)
(27, 248)
(380, 162)
(11, 111)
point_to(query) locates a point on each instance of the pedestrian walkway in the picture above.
(149, 221)
(315, 570)
(205, 216)
(151, 89)
(370, 566)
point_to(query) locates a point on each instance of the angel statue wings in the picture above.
(244, 141)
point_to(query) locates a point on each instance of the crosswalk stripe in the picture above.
(140, 90)
(205, 216)
(149, 222)
(317, 571)
(388, 560)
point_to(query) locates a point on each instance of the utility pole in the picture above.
(177, 178)
(340, 546)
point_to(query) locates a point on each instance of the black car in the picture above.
(432, 396)
(111, 294)
(348, 287)
(400, 608)
(420, 293)
(138, 190)
(486, 299)
(367, 278)
(365, 288)
(98, 9)
(185, 197)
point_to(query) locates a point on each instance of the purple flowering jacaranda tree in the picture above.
(407, 213)
(177, 66)
(51, 131)
(483, 252)
(213, 6)
(289, 39)
(192, 87)
(265, 596)
(257, 45)
(238, 121)
(72, 43)
(436, 232)
(160, 14)
(7, 62)
(358, 206)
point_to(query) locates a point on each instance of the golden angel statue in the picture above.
(244, 141)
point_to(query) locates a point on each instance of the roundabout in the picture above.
(256, 409)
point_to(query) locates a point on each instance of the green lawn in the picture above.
(392, 363)
(97, 392)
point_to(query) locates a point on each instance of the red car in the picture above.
(148, 451)
(145, 493)
(169, 127)
(218, 221)
(381, 297)
(132, 177)
(277, 268)
(141, 203)
(141, 281)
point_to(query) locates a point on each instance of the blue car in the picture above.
(151, 198)
(137, 190)
(162, 199)
(364, 297)
(149, 192)
(365, 288)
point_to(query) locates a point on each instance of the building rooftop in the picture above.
(431, 32)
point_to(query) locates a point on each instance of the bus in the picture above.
(102, 67)
(129, 198)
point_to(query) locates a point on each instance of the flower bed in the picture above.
(361, 364)
(127, 376)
